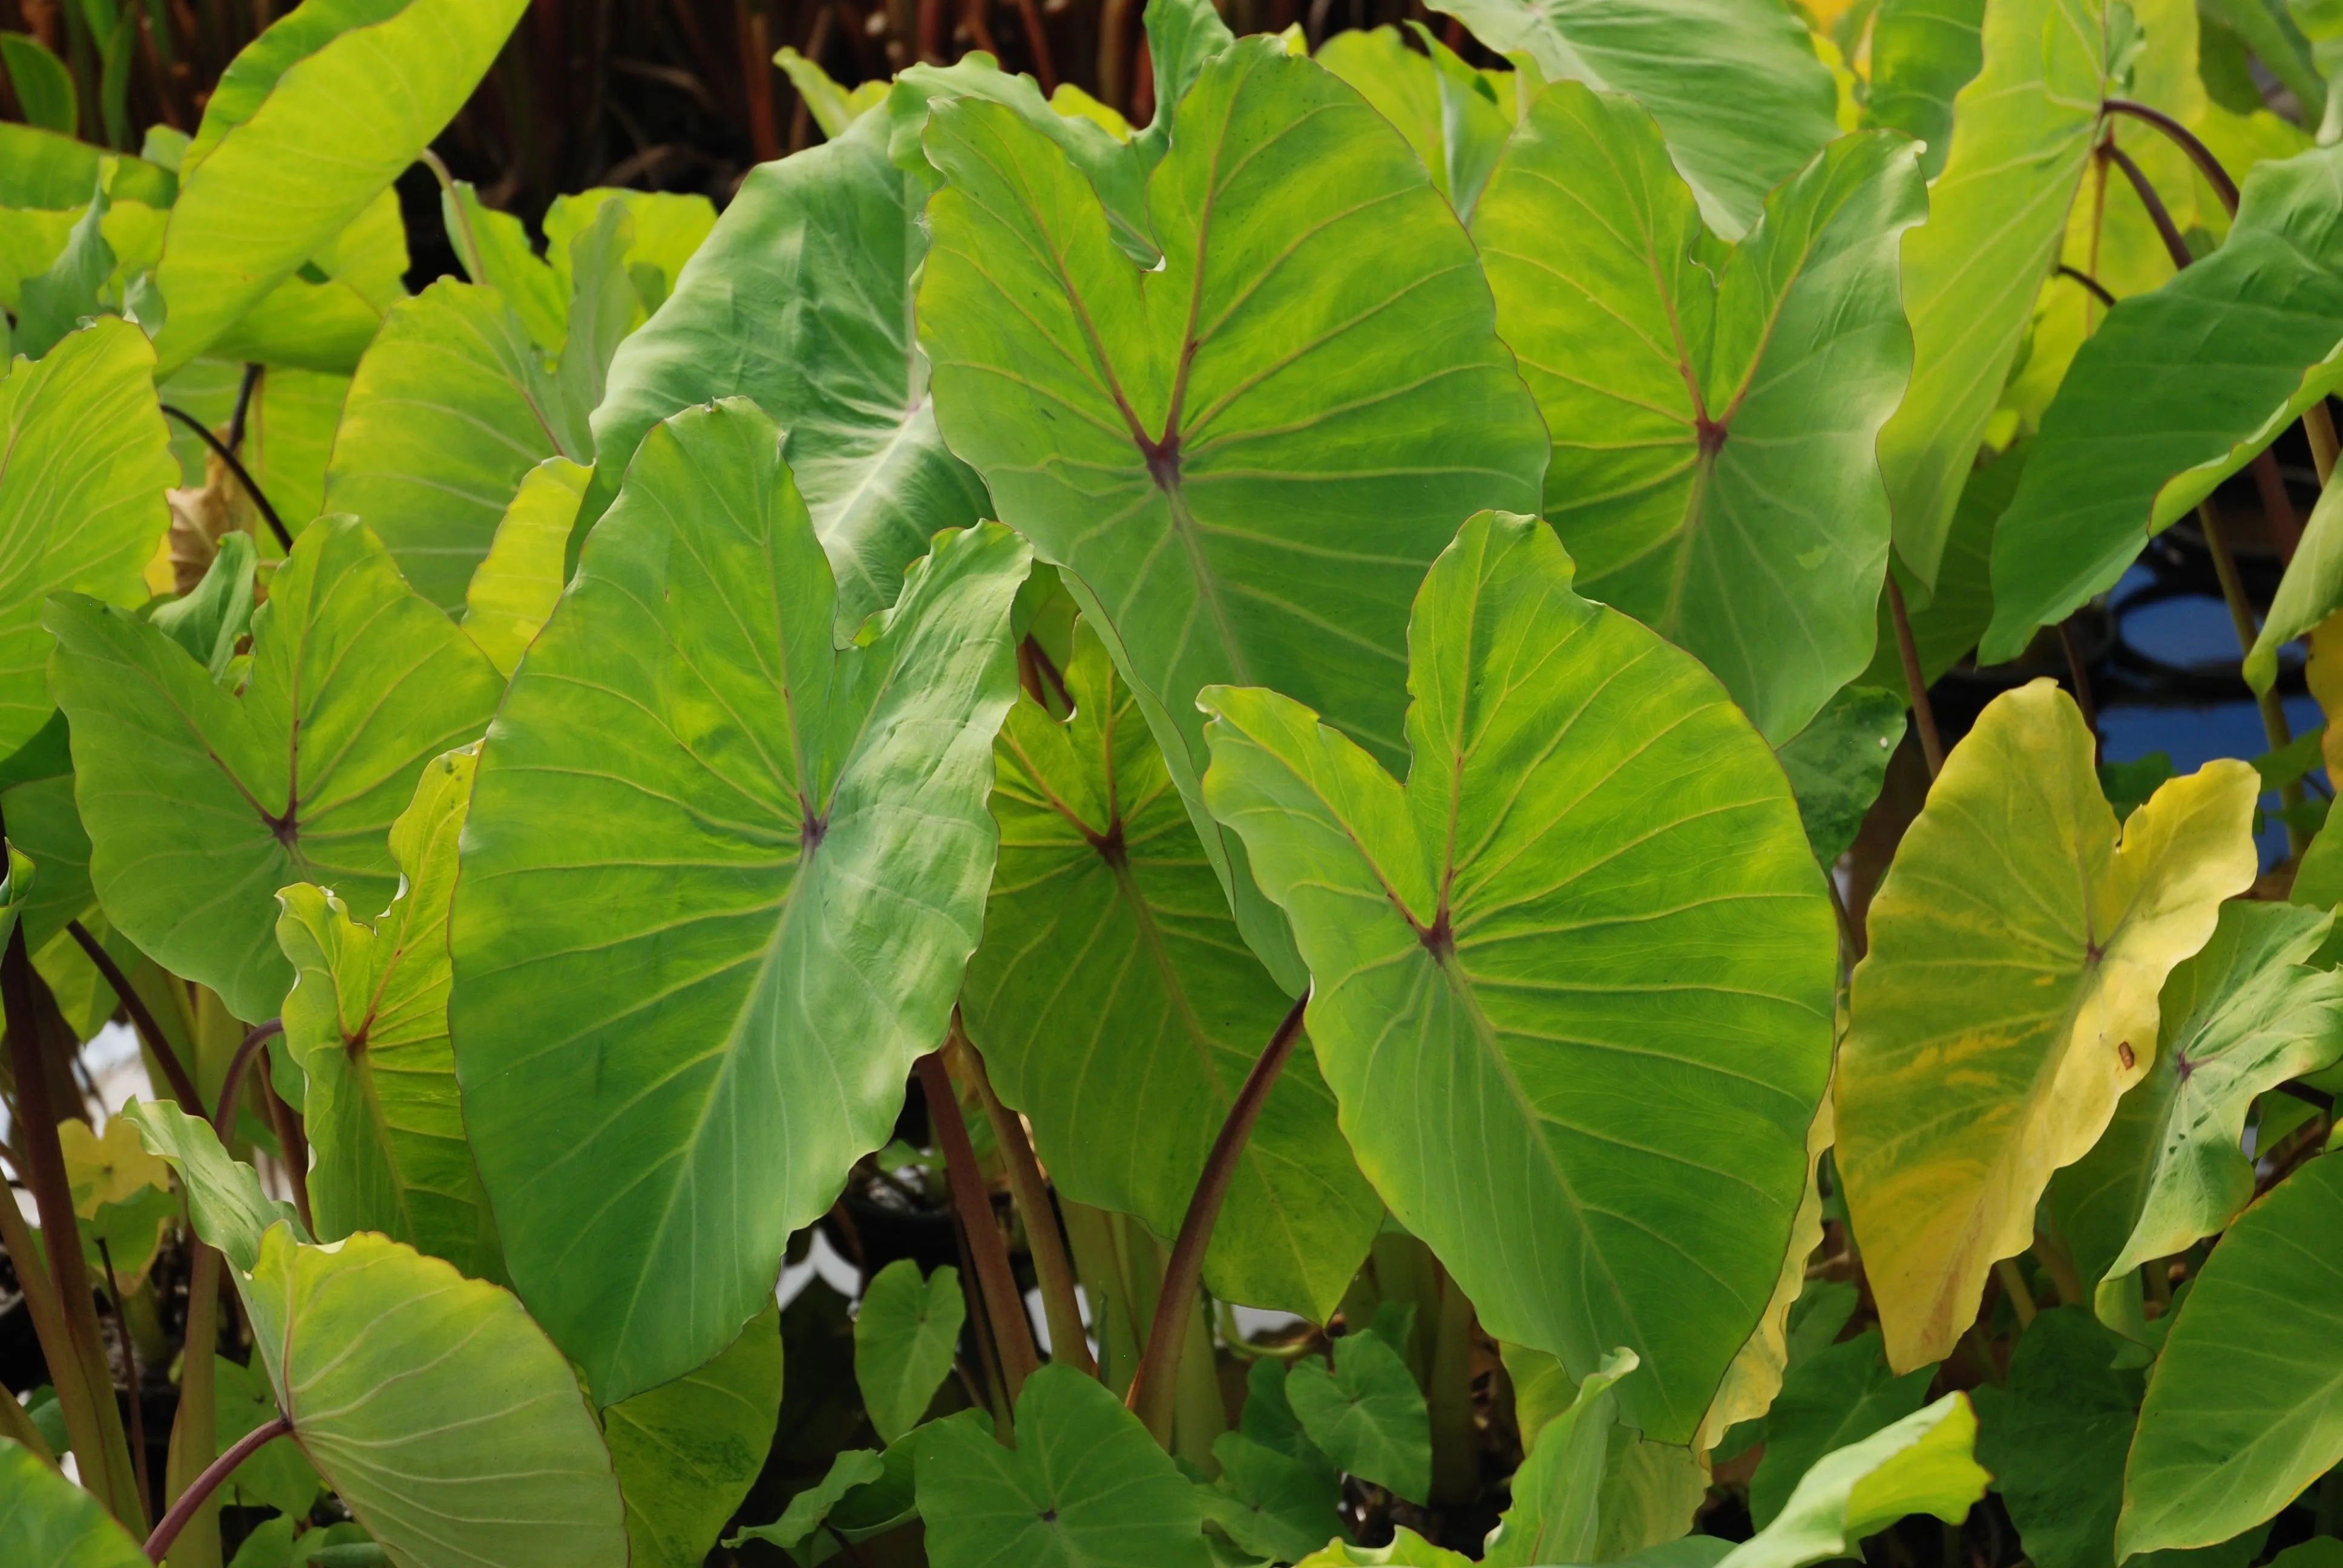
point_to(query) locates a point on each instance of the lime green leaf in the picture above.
(47, 1522)
(832, 106)
(1615, 1095)
(508, 263)
(801, 300)
(1838, 761)
(1556, 1515)
(1736, 88)
(110, 1168)
(434, 1408)
(669, 227)
(225, 1200)
(809, 1509)
(687, 1451)
(1456, 119)
(278, 1475)
(1243, 461)
(1922, 1464)
(2311, 591)
(905, 1338)
(210, 621)
(517, 583)
(2022, 134)
(1946, 628)
(2010, 996)
(1270, 1502)
(1407, 1550)
(450, 409)
(201, 803)
(2243, 1016)
(1714, 422)
(1923, 52)
(1107, 938)
(325, 325)
(719, 883)
(84, 462)
(327, 138)
(44, 88)
(1366, 1414)
(72, 288)
(1840, 1395)
(2177, 390)
(1085, 1487)
(2226, 1438)
(366, 1019)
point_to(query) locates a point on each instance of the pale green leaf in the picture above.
(1922, 1464)
(517, 583)
(47, 1522)
(225, 1200)
(810, 1508)
(1556, 1514)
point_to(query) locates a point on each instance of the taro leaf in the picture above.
(366, 1019)
(1714, 424)
(84, 462)
(1366, 1415)
(278, 1475)
(54, 300)
(326, 326)
(1455, 117)
(2241, 1413)
(1270, 1502)
(450, 409)
(435, 1408)
(2010, 995)
(1946, 630)
(1840, 1395)
(225, 1200)
(1116, 1006)
(1244, 460)
(2243, 1016)
(1923, 52)
(1085, 1487)
(1736, 87)
(516, 586)
(1838, 762)
(905, 1338)
(2177, 390)
(1556, 1514)
(687, 1451)
(1922, 1464)
(1542, 1112)
(667, 229)
(810, 1508)
(45, 87)
(2311, 591)
(719, 885)
(47, 1522)
(801, 300)
(342, 116)
(202, 802)
(1268, 1417)
(2023, 131)
(507, 263)
(113, 1168)
(1407, 1550)
(210, 621)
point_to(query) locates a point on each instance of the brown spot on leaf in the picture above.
(2124, 1055)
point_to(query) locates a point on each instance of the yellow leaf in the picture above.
(2017, 947)
(109, 1168)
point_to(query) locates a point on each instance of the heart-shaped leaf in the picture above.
(719, 881)
(2010, 995)
(906, 1333)
(366, 1019)
(1245, 459)
(202, 802)
(1714, 469)
(1366, 1414)
(1575, 1006)
(1116, 1006)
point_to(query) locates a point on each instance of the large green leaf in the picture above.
(225, 1200)
(366, 1019)
(1714, 420)
(1841, 1394)
(47, 1522)
(2009, 996)
(1245, 459)
(906, 1334)
(2023, 131)
(1118, 1008)
(801, 300)
(1270, 1502)
(84, 462)
(1085, 1487)
(2241, 1412)
(687, 1451)
(2176, 391)
(1923, 53)
(451, 407)
(1735, 84)
(719, 885)
(202, 802)
(2243, 1016)
(1573, 984)
(343, 113)
(431, 1404)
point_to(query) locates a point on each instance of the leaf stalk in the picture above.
(219, 1470)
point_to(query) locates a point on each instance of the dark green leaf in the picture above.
(1366, 1414)
(906, 1336)
(1840, 1395)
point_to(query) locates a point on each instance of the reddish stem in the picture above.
(203, 1485)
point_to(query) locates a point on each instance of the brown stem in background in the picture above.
(1915, 682)
(460, 237)
(928, 31)
(224, 1119)
(973, 1205)
(250, 1444)
(130, 1375)
(979, 28)
(801, 116)
(994, 1395)
(1069, 1340)
(1152, 1386)
(2275, 728)
(2175, 245)
(142, 1018)
(2278, 506)
(2082, 678)
(2186, 140)
(757, 80)
(1044, 68)
(1114, 49)
(2318, 430)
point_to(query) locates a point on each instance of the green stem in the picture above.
(468, 245)
(195, 1433)
(2275, 728)
(2021, 1299)
(1069, 1340)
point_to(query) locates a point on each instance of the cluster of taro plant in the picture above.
(1303, 681)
